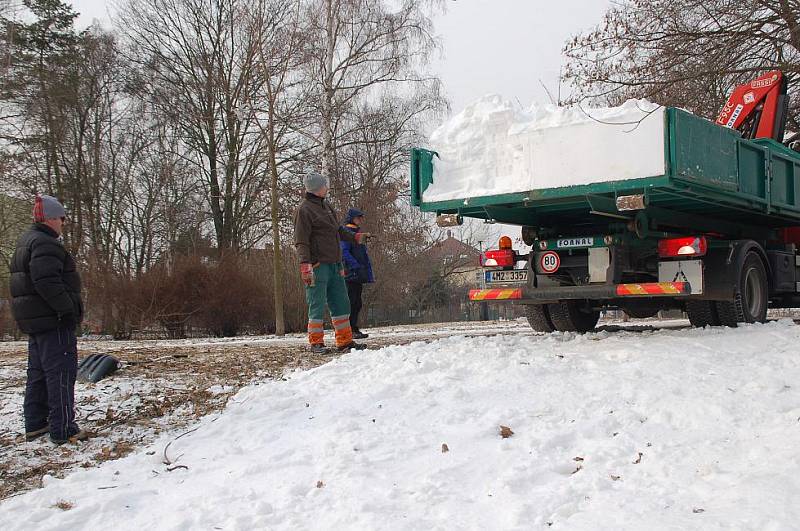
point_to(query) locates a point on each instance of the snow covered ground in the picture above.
(386, 332)
(657, 429)
(163, 386)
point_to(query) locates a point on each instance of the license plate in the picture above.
(514, 276)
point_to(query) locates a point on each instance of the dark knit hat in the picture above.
(353, 213)
(47, 207)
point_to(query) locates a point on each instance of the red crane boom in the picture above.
(758, 109)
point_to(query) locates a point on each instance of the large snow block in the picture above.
(493, 148)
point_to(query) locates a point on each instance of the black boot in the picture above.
(352, 346)
(358, 334)
(319, 349)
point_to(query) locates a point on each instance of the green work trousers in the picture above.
(329, 288)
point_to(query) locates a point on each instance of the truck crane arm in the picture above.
(758, 109)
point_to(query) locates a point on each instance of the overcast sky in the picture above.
(508, 47)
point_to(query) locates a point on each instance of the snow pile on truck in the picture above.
(494, 147)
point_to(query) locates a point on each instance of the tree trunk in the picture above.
(328, 91)
(277, 255)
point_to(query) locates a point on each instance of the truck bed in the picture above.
(711, 176)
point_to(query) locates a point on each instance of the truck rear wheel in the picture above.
(751, 299)
(573, 316)
(702, 313)
(539, 318)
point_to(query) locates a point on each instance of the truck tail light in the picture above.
(499, 258)
(677, 247)
(503, 257)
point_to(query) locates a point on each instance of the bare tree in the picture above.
(356, 49)
(186, 136)
(202, 63)
(163, 200)
(276, 27)
(38, 94)
(687, 53)
(14, 217)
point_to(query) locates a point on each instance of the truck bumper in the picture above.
(596, 292)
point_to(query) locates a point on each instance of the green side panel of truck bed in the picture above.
(710, 170)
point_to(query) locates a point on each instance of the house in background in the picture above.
(458, 262)
(454, 269)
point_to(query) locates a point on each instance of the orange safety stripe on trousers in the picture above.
(316, 332)
(494, 294)
(342, 330)
(340, 322)
(344, 336)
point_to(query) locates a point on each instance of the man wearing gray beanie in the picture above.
(317, 234)
(315, 182)
(46, 303)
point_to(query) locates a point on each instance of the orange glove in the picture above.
(307, 274)
(362, 236)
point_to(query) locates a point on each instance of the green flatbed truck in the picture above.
(714, 235)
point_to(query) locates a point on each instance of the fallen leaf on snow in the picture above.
(615, 478)
(698, 510)
(64, 505)
(505, 432)
(445, 448)
(638, 459)
(578, 458)
(320, 484)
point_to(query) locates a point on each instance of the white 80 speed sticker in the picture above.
(549, 262)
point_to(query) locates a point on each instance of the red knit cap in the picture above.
(38, 209)
(47, 207)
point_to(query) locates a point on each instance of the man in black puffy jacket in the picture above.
(46, 303)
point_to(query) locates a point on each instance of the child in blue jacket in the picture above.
(358, 267)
